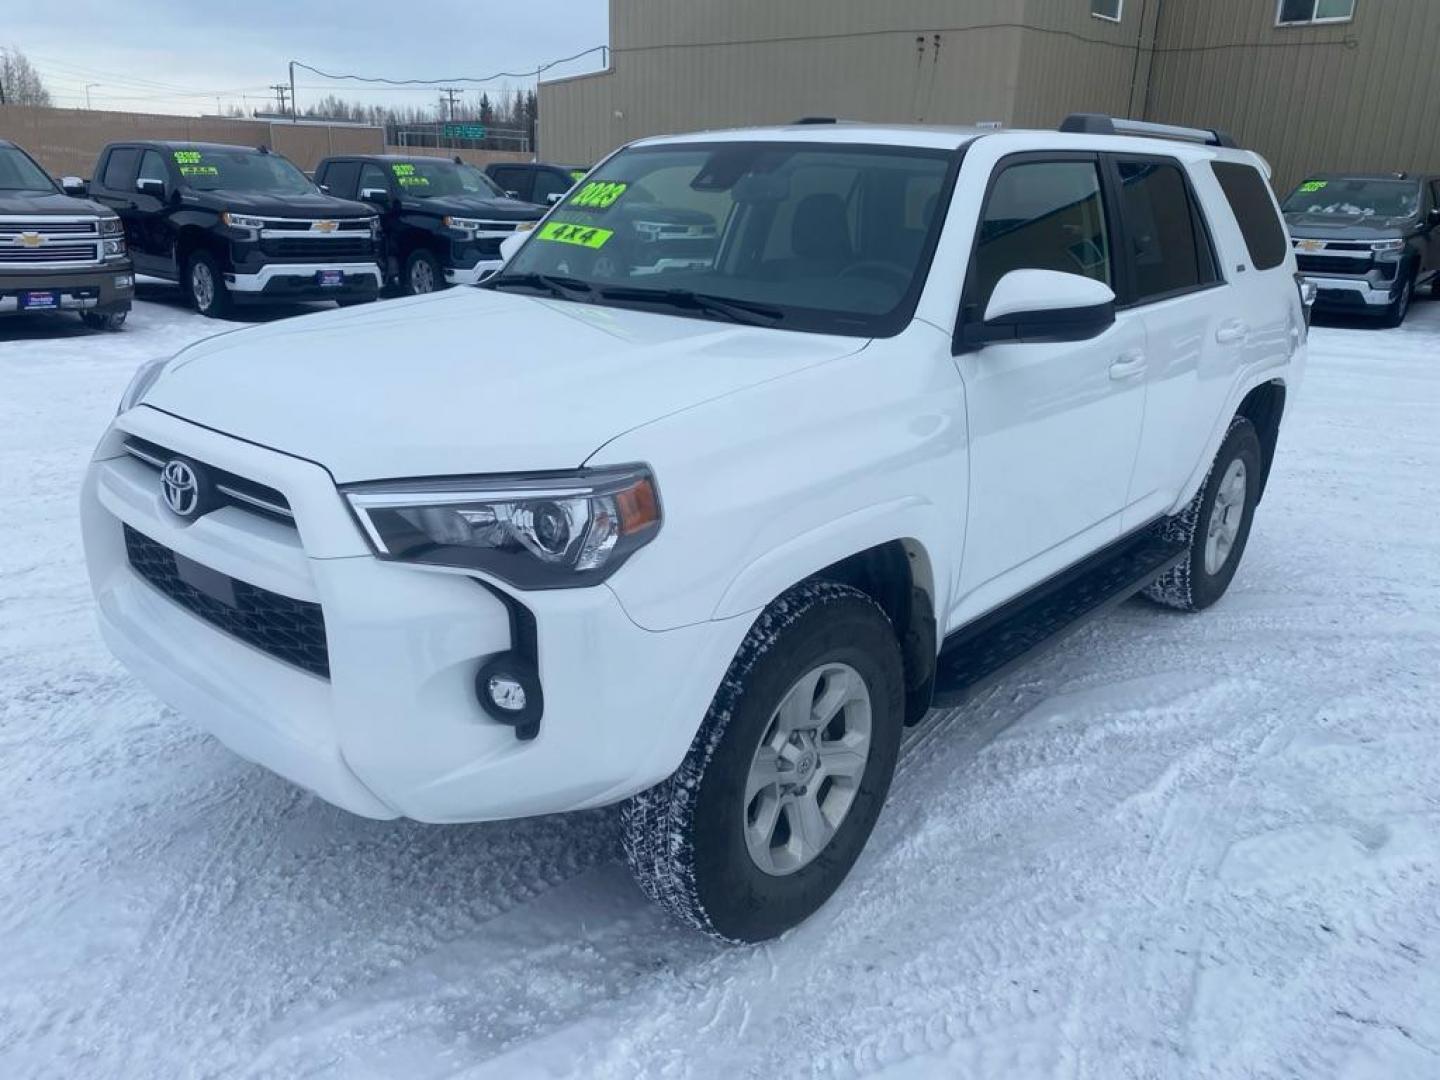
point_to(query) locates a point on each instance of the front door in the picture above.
(155, 251)
(1054, 427)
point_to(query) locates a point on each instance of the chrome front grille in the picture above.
(236, 490)
(39, 243)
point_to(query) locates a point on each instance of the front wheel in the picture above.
(108, 321)
(1400, 306)
(783, 783)
(206, 286)
(1216, 524)
(422, 274)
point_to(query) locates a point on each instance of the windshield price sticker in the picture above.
(406, 177)
(1313, 185)
(563, 232)
(597, 195)
(190, 164)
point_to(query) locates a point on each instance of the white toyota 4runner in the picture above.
(763, 444)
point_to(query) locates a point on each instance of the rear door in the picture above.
(514, 178)
(1196, 342)
(1432, 240)
(156, 251)
(114, 185)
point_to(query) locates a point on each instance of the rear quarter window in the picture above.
(1250, 201)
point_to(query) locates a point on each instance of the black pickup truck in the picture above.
(442, 220)
(540, 182)
(58, 252)
(236, 222)
(1367, 241)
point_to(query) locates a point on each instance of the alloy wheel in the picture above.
(807, 769)
(1226, 514)
(202, 286)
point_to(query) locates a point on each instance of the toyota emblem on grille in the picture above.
(181, 487)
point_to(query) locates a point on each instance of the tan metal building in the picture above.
(1311, 84)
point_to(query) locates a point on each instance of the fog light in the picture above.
(124, 281)
(508, 688)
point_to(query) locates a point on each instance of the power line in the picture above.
(281, 92)
(454, 79)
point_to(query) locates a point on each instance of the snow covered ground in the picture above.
(1177, 847)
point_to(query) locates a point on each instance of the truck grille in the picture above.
(287, 629)
(1334, 264)
(48, 241)
(316, 249)
(235, 490)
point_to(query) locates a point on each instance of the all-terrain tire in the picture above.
(106, 321)
(1400, 307)
(685, 838)
(1192, 585)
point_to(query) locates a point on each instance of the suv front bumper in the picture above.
(103, 289)
(300, 281)
(474, 274)
(396, 729)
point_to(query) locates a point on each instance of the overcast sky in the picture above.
(180, 55)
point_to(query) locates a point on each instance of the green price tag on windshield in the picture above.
(597, 195)
(1313, 185)
(564, 232)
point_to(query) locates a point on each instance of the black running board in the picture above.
(976, 655)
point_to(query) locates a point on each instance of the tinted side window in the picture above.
(1041, 215)
(549, 183)
(339, 177)
(372, 177)
(1170, 251)
(152, 167)
(1249, 197)
(510, 179)
(120, 168)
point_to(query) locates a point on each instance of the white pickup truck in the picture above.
(700, 528)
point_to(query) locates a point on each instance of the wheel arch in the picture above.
(1264, 406)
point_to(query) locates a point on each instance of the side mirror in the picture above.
(511, 244)
(324, 187)
(1041, 305)
(554, 197)
(150, 187)
(72, 185)
(378, 196)
(512, 194)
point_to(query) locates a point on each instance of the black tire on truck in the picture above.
(1400, 306)
(421, 274)
(785, 778)
(104, 320)
(205, 285)
(1216, 524)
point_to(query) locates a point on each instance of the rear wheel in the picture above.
(206, 285)
(422, 274)
(783, 783)
(1216, 524)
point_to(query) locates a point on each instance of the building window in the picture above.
(1107, 9)
(1309, 12)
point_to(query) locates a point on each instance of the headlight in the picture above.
(464, 224)
(1387, 245)
(114, 247)
(374, 228)
(140, 384)
(553, 531)
(110, 226)
(242, 221)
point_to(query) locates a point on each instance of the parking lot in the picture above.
(1199, 847)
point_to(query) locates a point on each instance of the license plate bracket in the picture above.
(330, 279)
(217, 586)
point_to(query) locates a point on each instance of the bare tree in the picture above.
(20, 83)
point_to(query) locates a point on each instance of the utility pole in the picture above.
(450, 94)
(294, 101)
(88, 85)
(280, 91)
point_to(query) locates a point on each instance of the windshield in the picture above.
(1355, 198)
(437, 179)
(240, 170)
(19, 173)
(817, 237)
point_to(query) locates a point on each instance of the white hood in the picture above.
(468, 381)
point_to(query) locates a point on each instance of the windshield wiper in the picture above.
(747, 312)
(566, 288)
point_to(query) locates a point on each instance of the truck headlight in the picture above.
(464, 224)
(1383, 246)
(110, 226)
(374, 228)
(545, 531)
(115, 247)
(141, 382)
(242, 221)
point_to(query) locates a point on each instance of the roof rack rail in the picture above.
(1100, 124)
(814, 120)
